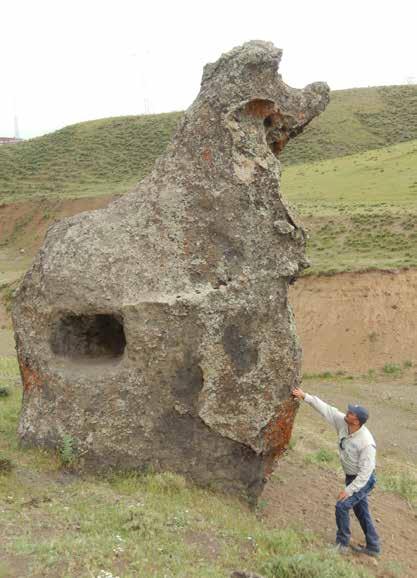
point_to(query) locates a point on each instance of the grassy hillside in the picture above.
(384, 177)
(109, 155)
(356, 120)
(360, 210)
(87, 159)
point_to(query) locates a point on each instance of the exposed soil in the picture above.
(304, 496)
(354, 322)
(23, 225)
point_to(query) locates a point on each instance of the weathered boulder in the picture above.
(157, 332)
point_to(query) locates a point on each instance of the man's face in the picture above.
(351, 418)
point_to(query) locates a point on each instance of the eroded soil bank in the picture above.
(355, 322)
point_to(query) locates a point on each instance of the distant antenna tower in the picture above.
(147, 105)
(16, 127)
(143, 72)
(146, 99)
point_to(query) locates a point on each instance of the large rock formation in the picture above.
(157, 332)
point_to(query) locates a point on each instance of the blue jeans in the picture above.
(359, 503)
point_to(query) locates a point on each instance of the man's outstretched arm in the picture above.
(331, 414)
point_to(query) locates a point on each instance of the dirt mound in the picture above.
(354, 322)
(23, 225)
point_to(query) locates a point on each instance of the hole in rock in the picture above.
(88, 336)
(276, 133)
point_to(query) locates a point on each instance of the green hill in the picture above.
(358, 201)
(356, 120)
(111, 155)
(360, 210)
(91, 158)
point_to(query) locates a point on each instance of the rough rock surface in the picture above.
(157, 332)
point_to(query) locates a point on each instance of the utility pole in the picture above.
(141, 66)
(16, 128)
(145, 68)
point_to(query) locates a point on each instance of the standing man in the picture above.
(357, 451)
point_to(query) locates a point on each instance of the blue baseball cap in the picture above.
(361, 412)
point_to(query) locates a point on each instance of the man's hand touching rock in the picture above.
(298, 393)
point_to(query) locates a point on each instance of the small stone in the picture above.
(283, 227)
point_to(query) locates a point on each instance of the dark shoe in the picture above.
(365, 550)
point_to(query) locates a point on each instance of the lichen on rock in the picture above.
(157, 331)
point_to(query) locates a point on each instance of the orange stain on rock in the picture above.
(207, 155)
(279, 145)
(259, 108)
(186, 247)
(30, 378)
(277, 433)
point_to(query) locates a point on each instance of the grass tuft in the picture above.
(392, 369)
(5, 465)
(311, 565)
(67, 451)
(404, 484)
(321, 456)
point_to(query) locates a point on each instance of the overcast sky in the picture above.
(66, 61)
